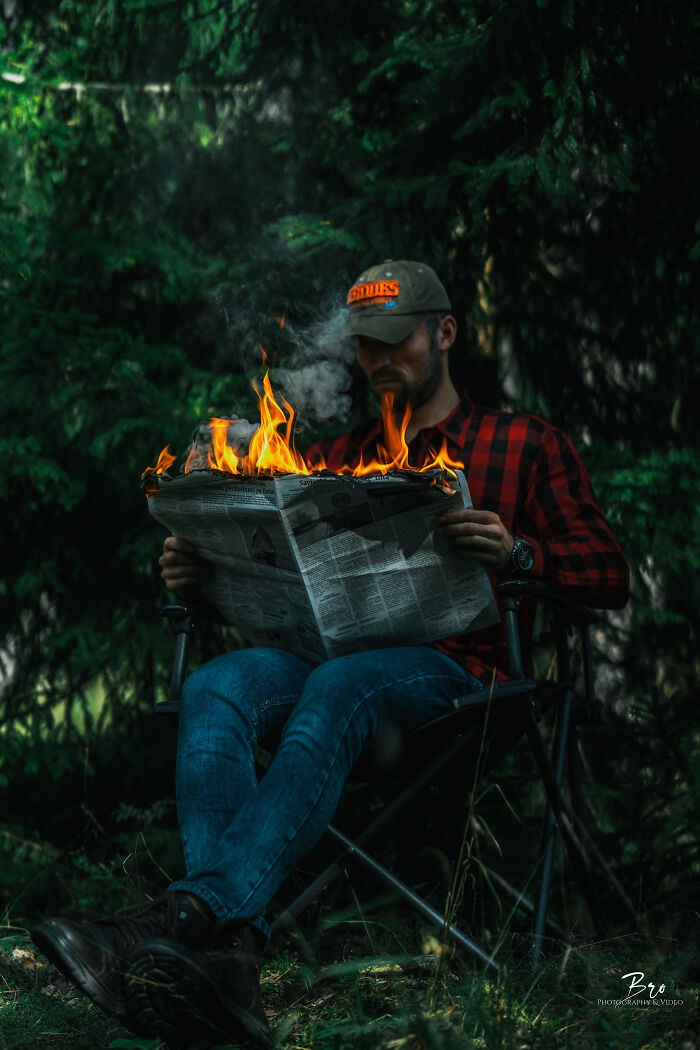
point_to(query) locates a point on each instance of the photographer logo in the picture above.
(641, 993)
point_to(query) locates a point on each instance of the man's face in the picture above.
(412, 370)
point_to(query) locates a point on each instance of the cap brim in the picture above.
(386, 327)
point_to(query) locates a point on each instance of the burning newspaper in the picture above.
(323, 564)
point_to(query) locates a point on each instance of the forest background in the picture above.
(176, 177)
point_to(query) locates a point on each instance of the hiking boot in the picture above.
(94, 954)
(183, 994)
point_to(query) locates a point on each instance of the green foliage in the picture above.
(664, 556)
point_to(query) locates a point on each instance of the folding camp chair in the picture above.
(514, 707)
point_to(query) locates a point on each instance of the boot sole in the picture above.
(169, 996)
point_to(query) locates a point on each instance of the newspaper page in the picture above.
(324, 564)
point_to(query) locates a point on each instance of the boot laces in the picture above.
(157, 917)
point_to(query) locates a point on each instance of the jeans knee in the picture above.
(242, 669)
(333, 712)
(341, 683)
(242, 684)
(334, 682)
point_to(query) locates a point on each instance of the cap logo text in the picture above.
(373, 292)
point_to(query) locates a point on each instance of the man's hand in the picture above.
(181, 569)
(479, 535)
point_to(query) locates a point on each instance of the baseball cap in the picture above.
(386, 302)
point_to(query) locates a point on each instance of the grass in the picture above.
(353, 989)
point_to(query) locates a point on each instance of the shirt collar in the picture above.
(454, 423)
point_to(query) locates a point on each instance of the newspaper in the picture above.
(325, 565)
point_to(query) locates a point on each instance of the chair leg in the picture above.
(384, 819)
(573, 769)
(523, 901)
(550, 828)
(417, 902)
(571, 841)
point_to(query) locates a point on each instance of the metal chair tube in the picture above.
(417, 902)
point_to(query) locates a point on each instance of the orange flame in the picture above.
(165, 460)
(272, 450)
(271, 446)
(394, 454)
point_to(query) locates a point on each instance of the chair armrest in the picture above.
(537, 591)
(198, 611)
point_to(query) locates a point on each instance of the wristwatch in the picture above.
(521, 557)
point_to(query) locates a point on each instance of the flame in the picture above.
(271, 446)
(272, 450)
(165, 460)
(393, 455)
(224, 458)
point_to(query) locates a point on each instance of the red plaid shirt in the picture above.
(530, 474)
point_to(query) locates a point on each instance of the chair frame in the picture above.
(521, 697)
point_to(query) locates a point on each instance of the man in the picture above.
(191, 958)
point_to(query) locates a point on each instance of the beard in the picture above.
(423, 386)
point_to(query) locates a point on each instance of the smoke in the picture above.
(309, 364)
(316, 375)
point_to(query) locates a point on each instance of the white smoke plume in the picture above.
(316, 378)
(314, 361)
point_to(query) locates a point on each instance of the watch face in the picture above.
(522, 555)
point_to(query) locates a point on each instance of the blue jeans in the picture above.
(241, 837)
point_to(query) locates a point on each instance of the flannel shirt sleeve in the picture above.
(573, 544)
